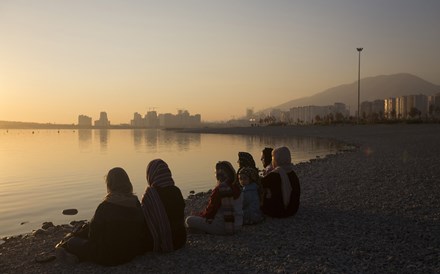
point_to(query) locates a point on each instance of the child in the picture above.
(251, 197)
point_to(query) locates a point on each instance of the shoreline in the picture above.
(374, 209)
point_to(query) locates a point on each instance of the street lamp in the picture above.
(359, 83)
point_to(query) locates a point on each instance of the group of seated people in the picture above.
(124, 227)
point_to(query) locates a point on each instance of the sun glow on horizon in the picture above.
(63, 59)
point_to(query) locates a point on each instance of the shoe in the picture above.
(65, 256)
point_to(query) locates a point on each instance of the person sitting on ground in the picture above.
(266, 160)
(281, 186)
(251, 197)
(163, 206)
(116, 233)
(223, 214)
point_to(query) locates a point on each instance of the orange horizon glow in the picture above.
(63, 59)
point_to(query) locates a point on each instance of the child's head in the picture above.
(245, 175)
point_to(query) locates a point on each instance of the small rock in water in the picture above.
(192, 192)
(23, 223)
(70, 211)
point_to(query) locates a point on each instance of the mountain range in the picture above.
(371, 88)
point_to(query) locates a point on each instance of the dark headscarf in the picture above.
(245, 159)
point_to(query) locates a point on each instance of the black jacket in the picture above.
(117, 234)
(174, 204)
(273, 203)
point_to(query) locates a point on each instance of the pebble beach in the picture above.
(372, 208)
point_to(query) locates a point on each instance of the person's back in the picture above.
(163, 207)
(118, 233)
(251, 196)
(273, 199)
(251, 204)
(174, 204)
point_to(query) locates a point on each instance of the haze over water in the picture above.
(44, 172)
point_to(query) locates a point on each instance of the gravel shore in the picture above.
(373, 209)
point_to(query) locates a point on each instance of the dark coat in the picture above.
(273, 203)
(117, 234)
(174, 204)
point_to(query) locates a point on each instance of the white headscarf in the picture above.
(283, 165)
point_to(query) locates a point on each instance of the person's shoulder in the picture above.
(271, 175)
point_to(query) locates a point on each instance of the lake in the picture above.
(44, 172)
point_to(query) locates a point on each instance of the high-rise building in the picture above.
(84, 121)
(103, 120)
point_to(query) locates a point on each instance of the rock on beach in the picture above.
(371, 209)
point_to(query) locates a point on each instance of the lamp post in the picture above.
(359, 84)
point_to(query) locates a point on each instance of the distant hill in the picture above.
(372, 88)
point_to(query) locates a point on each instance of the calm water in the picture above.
(45, 171)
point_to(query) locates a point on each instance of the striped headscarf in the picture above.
(158, 176)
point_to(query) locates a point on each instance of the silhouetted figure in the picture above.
(117, 232)
(266, 160)
(281, 186)
(163, 207)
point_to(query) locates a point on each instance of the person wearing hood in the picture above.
(163, 206)
(116, 233)
(281, 186)
(223, 214)
(251, 196)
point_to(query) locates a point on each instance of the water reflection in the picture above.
(103, 136)
(85, 139)
(152, 139)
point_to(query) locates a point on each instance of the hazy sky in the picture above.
(59, 59)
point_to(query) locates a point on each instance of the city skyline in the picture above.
(60, 59)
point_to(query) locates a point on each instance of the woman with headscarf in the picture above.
(163, 206)
(224, 213)
(117, 232)
(245, 159)
(281, 186)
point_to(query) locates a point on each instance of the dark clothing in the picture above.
(116, 234)
(174, 204)
(273, 199)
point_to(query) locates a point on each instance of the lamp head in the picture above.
(359, 49)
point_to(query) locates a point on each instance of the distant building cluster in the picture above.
(402, 107)
(167, 120)
(151, 120)
(311, 114)
(411, 106)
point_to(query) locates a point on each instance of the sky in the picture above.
(60, 59)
